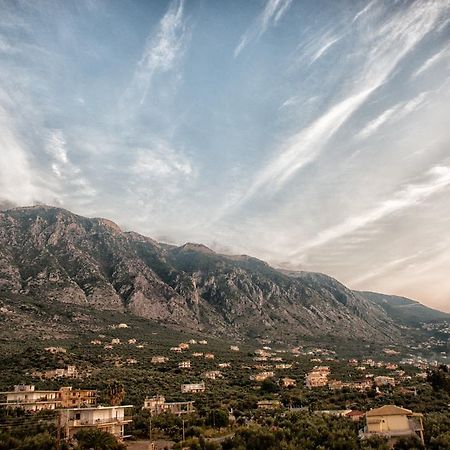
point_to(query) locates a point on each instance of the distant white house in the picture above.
(193, 388)
(158, 405)
(184, 365)
(159, 359)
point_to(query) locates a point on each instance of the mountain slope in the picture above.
(405, 310)
(53, 255)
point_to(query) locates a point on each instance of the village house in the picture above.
(192, 342)
(234, 348)
(288, 382)
(27, 398)
(337, 385)
(262, 366)
(355, 415)
(391, 352)
(193, 388)
(209, 355)
(283, 366)
(176, 349)
(203, 342)
(55, 350)
(224, 365)
(115, 341)
(269, 404)
(159, 359)
(71, 398)
(318, 377)
(68, 372)
(197, 354)
(356, 385)
(184, 365)
(391, 366)
(158, 405)
(392, 422)
(212, 374)
(132, 341)
(261, 376)
(111, 419)
(384, 381)
(96, 342)
(183, 346)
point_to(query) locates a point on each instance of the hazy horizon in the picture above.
(312, 135)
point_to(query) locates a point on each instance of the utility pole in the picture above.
(183, 430)
(150, 429)
(58, 432)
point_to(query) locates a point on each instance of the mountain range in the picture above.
(54, 256)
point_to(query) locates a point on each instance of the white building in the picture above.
(184, 365)
(159, 359)
(25, 396)
(158, 405)
(213, 374)
(107, 418)
(193, 388)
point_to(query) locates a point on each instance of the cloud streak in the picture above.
(389, 43)
(272, 13)
(430, 62)
(163, 51)
(395, 113)
(324, 48)
(410, 195)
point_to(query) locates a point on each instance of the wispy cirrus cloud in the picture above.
(431, 61)
(158, 174)
(361, 13)
(324, 48)
(273, 11)
(62, 167)
(438, 179)
(388, 43)
(162, 53)
(395, 113)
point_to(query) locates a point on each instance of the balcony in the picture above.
(75, 423)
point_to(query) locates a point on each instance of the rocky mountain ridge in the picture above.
(54, 255)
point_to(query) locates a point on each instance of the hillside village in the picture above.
(117, 377)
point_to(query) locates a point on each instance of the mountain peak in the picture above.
(194, 247)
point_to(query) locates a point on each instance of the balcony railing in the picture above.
(98, 422)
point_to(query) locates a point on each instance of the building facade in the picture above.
(111, 419)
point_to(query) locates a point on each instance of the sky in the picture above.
(313, 134)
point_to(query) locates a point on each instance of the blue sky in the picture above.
(312, 134)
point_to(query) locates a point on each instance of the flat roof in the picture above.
(97, 408)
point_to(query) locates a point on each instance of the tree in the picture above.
(408, 443)
(115, 393)
(269, 386)
(439, 378)
(96, 439)
(217, 418)
(441, 442)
